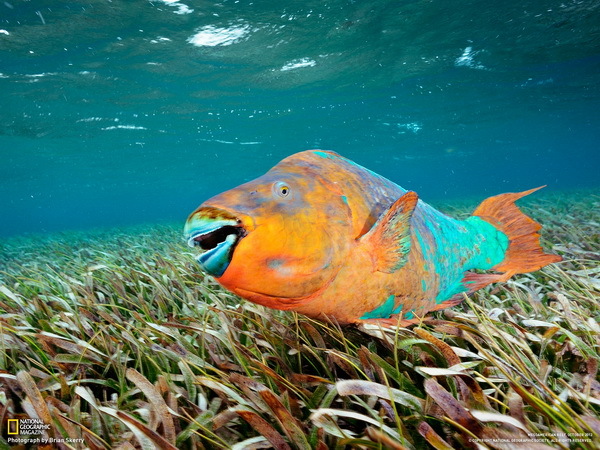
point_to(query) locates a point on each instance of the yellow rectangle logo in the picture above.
(13, 426)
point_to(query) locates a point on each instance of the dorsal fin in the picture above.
(389, 239)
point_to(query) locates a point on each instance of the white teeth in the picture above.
(192, 241)
(203, 227)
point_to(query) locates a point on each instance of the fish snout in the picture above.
(216, 232)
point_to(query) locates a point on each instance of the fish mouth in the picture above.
(216, 233)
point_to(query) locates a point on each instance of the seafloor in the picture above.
(112, 338)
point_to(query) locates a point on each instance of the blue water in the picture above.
(123, 112)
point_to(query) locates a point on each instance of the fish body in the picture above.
(326, 237)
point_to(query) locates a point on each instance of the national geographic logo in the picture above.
(34, 432)
(30, 427)
(12, 426)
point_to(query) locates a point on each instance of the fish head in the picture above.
(276, 240)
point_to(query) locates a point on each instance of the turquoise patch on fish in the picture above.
(385, 310)
(325, 155)
(454, 246)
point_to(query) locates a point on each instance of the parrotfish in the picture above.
(330, 239)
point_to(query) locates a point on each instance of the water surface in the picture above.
(125, 112)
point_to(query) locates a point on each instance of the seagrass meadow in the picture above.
(114, 339)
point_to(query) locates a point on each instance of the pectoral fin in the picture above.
(389, 239)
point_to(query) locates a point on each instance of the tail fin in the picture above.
(524, 252)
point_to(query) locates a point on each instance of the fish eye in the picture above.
(281, 189)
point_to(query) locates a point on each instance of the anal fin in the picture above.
(474, 281)
(456, 299)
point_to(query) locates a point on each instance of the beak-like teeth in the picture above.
(217, 233)
(207, 234)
